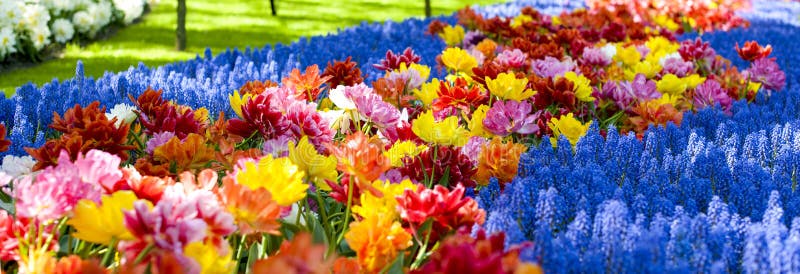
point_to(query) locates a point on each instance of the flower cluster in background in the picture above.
(503, 145)
(597, 65)
(28, 27)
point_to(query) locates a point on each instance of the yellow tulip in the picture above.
(403, 149)
(569, 127)
(385, 206)
(666, 22)
(459, 60)
(452, 35)
(475, 125)
(555, 20)
(674, 85)
(210, 261)
(317, 167)
(282, 178)
(628, 56)
(521, 19)
(101, 224)
(694, 80)
(237, 101)
(583, 89)
(753, 86)
(667, 99)
(649, 69)
(671, 84)
(428, 92)
(201, 114)
(446, 132)
(659, 45)
(507, 87)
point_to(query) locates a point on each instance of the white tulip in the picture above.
(16, 166)
(123, 112)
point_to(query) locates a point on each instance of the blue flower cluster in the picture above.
(718, 194)
(206, 81)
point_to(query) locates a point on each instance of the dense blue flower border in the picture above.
(718, 194)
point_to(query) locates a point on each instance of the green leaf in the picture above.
(289, 229)
(687, 28)
(64, 245)
(396, 267)
(318, 231)
(345, 250)
(445, 180)
(7, 206)
(425, 227)
(7, 203)
(252, 257)
(612, 120)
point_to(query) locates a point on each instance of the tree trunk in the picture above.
(180, 31)
(427, 8)
(272, 6)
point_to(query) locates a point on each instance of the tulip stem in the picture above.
(347, 210)
(111, 250)
(143, 254)
(324, 214)
(239, 253)
(140, 146)
(423, 249)
(50, 237)
(433, 165)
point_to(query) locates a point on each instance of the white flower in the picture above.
(403, 116)
(40, 37)
(334, 117)
(341, 100)
(58, 6)
(341, 119)
(123, 112)
(83, 21)
(16, 166)
(609, 50)
(10, 12)
(131, 8)
(8, 41)
(35, 17)
(101, 12)
(63, 30)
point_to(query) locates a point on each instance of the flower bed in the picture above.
(29, 27)
(520, 144)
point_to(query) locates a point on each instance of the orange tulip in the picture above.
(254, 210)
(363, 158)
(499, 160)
(300, 255)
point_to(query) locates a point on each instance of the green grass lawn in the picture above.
(219, 25)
